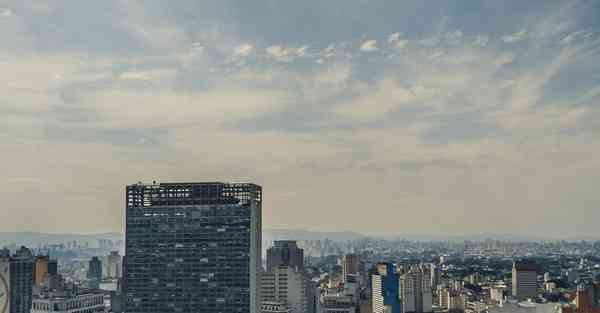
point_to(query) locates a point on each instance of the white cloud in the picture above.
(385, 97)
(437, 55)
(481, 41)
(286, 54)
(369, 46)
(571, 37)
(429, 42)
(127, 108)
(4, 12)
(454, 36)
(515, 37)
(243, 50)
(396, 41)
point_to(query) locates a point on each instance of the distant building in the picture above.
(274, 307)
(113, 265)
(524, 280)
(41, 269)
(285, 253)
(415, 290)
(192, 247)
(350, 265)
(66, 302)
(94, 274)
(337, 303)
(385, 295)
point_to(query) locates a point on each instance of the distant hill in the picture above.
(297, 234)
(33, 239)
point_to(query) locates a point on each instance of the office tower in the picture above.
(114, 264)
(524, 280)
(415, 290)
(41, 269)
(286, 253)
(4, 281)
(289, 286)
(192, 247)
(52, 267)
(350, 265)
(17, 278)
(385, 289)
(95, 272)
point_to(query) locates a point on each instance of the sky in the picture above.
(381, 117)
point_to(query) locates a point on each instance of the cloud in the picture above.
(396, 41)
(571, 37)
(243, 50)
(383, 98)
(188, 93)
(481, 41)
(369, 46)
(286, 54)
(515, 37)
(4, 12)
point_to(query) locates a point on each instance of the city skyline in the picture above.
(384, 118)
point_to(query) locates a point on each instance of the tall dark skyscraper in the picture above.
(192, 247)
(95, 272)
(285, 253)
(17, 277)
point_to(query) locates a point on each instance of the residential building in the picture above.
(415, 290)
(289, 286)
(350, 265)
(385, 294)
(524, 280)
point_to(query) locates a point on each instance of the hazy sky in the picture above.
(384, 117)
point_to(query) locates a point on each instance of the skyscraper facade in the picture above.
(285, 253)
(385, 295)
(17, 278)
(114, 265)
(95, 272)
(192, 247)
(287, 285)
(524, 280)
(350, 265)
(415, 290)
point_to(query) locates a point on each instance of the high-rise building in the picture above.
(4, 281)
(289, 286)
(415, 290)
(17, 278)
(114, 264)
(350, 265)
(43, 267)
(94, 273)
(192, 247)
(524, 280)
(285, 253)
(385, 289)
(52, 267)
